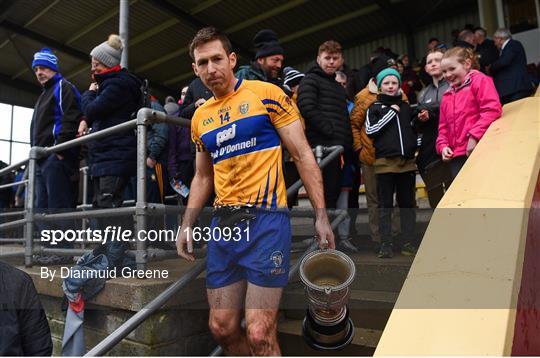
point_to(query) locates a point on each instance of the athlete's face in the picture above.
(214, 67)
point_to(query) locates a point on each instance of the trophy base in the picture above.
(327, 338)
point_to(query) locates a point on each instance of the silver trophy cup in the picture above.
(327, 275)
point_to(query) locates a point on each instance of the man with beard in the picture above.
(268, 59)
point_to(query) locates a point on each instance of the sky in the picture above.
(19, 131)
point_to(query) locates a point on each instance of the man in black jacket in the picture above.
(323, 104)
(485, 49)
(55, 120)
(510, 70)
(23, 325)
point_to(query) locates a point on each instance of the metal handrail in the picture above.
(9, 185)
(13, 167)
(331, 154)
(11, 213)
(145, 116)
(121, 332)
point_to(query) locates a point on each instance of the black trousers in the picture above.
(456, 164)
(354, 194)
(332, 176)
(109, 193)
(437, 178)
(291, 176)
(403, 185)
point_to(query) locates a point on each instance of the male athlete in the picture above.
(238, 134)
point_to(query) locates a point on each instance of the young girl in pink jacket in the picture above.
(468, 107)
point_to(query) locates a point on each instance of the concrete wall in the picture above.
(460, 296)
(179, 328)
(531, 41)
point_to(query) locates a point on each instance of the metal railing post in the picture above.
(141, 206)
(84, 222)
(123, 31)
(320, 152)
(35, 153)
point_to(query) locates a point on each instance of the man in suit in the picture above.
(510, 70)
(485, 48)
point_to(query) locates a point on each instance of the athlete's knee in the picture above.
(261, 334)
(223, 327)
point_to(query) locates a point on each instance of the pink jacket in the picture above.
(467, 110)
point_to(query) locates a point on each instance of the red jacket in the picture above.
(467, 110)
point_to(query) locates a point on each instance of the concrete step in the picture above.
(304, 226)
(293, 344)
(367, 309)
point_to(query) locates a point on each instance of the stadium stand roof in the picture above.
(160, 31)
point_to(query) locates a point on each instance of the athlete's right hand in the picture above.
(325, 235)
(184, 239)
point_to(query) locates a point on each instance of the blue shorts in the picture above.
(261, 255)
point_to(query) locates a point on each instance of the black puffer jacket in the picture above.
(24, 330)
(392, 132)
(323, 104)
(118, 97)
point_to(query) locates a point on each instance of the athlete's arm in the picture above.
(292, 136)
(200, 189)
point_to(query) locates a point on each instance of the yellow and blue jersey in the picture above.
(239, 132)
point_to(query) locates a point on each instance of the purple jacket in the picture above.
(179, 148)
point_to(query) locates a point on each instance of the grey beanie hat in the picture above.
(109, 52)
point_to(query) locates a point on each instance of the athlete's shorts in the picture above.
(260, 256)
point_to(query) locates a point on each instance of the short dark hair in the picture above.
(433, 39)
(206, 35)
(330, 46)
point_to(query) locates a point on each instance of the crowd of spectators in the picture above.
(392, 115)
